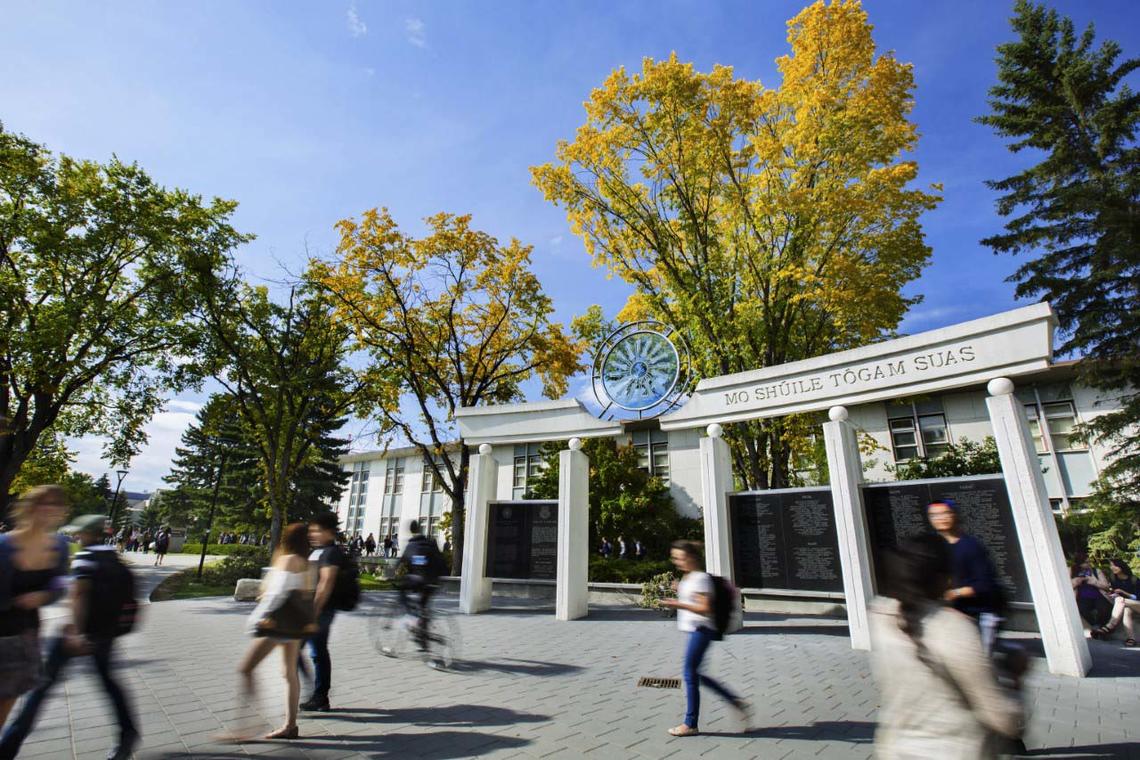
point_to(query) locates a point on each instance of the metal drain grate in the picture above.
(659, 683)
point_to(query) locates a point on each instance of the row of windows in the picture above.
(918, 429)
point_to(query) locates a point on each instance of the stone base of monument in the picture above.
(247, 590)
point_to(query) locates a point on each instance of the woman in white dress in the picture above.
(283, 618)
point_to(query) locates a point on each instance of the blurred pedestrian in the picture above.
(388, 545)
(1091, 587)
(370, 545)
(330, 560)
(33, 564)
(1125, 595)
(161, 545)
(940, 696)
(102, 600)
(623, 548)
(974, 588)
(694, 605)
(638, 549)
(285, 617)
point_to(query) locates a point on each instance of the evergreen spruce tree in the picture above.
(1076, 212)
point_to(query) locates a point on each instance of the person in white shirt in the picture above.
(694, 605)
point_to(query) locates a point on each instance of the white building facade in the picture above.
(389, 489)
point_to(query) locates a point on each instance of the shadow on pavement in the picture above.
(1110, 658)
(856, 732)
(441, 745)
(780, 628)
(515, 667)
(1106, 751)
(454, 715)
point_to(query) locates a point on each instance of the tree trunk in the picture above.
(458, 509)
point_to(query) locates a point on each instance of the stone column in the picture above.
(1066, 649)
(571, 594)
(846, 472)
(716, 483)
(475, 586)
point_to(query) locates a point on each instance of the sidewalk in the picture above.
(530, 686)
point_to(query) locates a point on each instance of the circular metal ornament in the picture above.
(641, 370)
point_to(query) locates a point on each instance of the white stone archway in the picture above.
(991, 350)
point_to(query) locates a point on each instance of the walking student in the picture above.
(33, 563)
(102, 598)
(330, 560)
(283, 617)
(161, 545)
(694, 605)
(974, 588)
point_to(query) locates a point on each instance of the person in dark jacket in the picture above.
(96, 570)
(424, 565)
(328, 558)
(974, 588)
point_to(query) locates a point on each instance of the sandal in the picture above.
(1130, 643)
(683, 730)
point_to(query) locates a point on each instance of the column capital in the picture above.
(837, 413)
(575, 444)
(1000, 386)
(715, 430)
(484, 449)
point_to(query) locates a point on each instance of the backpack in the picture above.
(425, 560)
(117, 610)
(728, 611)
(346, 591)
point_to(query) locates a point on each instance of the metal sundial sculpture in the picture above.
(642, 370)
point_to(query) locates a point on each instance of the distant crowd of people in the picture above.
(135, 540)
(369, 547)
(623, 549)
(245, 539)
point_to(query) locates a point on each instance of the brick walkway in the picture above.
(530, 686)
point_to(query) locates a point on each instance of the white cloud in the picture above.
(164, 432)
(356, 25)
(556, 240)
(414, 31)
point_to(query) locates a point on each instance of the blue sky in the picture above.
(309, 112)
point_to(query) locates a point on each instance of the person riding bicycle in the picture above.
(424, 565)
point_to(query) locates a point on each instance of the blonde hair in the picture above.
(36, 496)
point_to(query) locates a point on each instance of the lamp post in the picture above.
(120, 474)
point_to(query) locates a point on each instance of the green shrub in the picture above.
(223, 549)
(657, 588)
(237, 566)
(604, 570)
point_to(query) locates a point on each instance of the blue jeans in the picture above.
(322, 662)
(57, 657)
(699, 641)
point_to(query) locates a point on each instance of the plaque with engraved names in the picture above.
(522, 540)
(785, 539)
(897, 511)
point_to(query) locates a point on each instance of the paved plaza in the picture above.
(530, 686)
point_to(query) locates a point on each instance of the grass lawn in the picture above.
(185, 585)
(375, 583)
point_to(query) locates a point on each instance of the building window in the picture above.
(430, 483)
(528, 463)
(1052, 404)
(652, 448)
(918, 429)
(394, 476)
(357, 496)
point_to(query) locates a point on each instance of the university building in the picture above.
(388, 489)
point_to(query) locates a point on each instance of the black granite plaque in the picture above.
(785, 540)
(897, 511)
(522, 540)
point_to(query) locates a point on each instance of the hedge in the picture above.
(604, 570)
(224, 550)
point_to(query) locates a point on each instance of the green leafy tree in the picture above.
(283, 368)
(100, 271)
(1076, 214)
(49, 462)
(963, 458)
(624, 499)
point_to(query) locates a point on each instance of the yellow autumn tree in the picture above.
(450, 320)
(769, 224)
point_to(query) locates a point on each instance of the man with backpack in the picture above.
(338, 588)
(707, 608)
(424, 565)
(103, 607)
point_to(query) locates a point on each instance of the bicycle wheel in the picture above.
(389, 628)
(443, 640)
